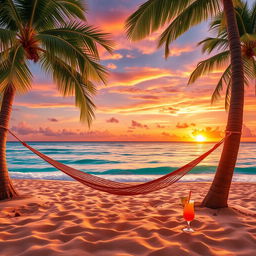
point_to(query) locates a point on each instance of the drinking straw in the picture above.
(189, 196)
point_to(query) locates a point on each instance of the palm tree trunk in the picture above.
(217, 196)
(7, 190)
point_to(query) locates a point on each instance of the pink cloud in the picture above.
(136, 124)
(135, 75)
(44, 105)
(23, 128)
(145, 97)
(53, 119)
(112, 120)
(247, 132)
(59, 134)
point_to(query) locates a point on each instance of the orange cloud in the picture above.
(178, 50)
(111, 66)
(209, 133)
(45, 105)
(107, 56)
(135, 75)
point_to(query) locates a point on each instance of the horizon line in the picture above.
(118, 141)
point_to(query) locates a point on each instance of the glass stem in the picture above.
(188, 222)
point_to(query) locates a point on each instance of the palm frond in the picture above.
(206, 66)
(225, 79)
(244, 21)
(254, 67)
(246, 37)
(249, 75)
(253, 17)
(249, 70)
(195, 13)
(71, 52)
(13, 69)
(7, 38)
(1, 100)
(71, 83)
(85, 34)
(228, 95)
(238, 3)
(151, 15)
(9, 15)
(46, 14)
(209, 44)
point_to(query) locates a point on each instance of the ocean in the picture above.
(125, 161)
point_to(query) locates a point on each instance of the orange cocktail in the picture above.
(189, 214)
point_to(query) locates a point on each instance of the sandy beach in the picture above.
(66, 218)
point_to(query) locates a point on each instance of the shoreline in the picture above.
(190, 177)
(67, 218)
(186, 182)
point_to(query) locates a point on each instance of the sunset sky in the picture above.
(147, 97)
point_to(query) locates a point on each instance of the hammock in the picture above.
(119, 188)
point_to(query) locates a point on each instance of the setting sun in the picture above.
(200, 138)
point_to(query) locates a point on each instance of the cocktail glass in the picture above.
(188, 214)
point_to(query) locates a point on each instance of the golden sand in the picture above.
(66, 218)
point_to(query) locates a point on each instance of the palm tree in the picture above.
(246, 19)
(180, 16)
(55, 35)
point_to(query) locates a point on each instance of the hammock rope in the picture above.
(119, 188)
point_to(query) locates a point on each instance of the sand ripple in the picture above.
(65, 218)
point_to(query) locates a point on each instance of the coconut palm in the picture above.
(179, 16)
(246, 19)
(55, 34)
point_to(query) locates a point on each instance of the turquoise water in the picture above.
(125, 161)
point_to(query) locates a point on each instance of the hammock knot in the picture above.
(232, 132)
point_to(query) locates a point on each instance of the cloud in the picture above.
(130, 56)
(112, 120)
(160, 126)
(145, 97)
(136, 124)
(128, 90)
(44, 105)
(135, 75)
(111, 66)
(170, 110)
(184, 125)
(247, 132)
(25, 129)
(179, 50)
(209, 132)
(108, 56)
(181, 126)
(46, 133)
(166, 134)
(53, 120)
(111, 20)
